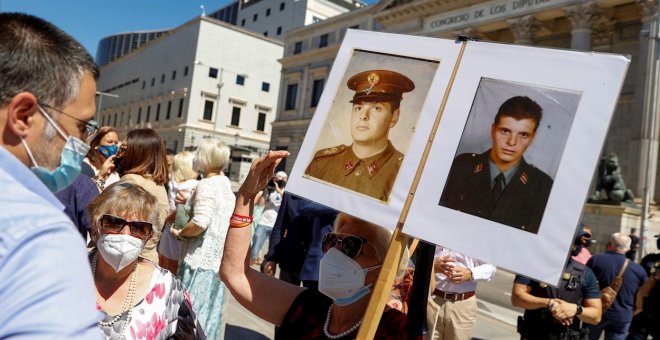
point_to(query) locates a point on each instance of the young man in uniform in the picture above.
(499, 184)
(371, 163)
(558, 313)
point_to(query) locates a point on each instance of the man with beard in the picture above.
(47, 93)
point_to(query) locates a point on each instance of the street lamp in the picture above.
(101, 95)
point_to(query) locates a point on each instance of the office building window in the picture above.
(268, 12)
(297, 48)
(213, 72)
(240, 79)
(144, 84)
(254, 17)
(153, 81)
(162, 78)
(169, 109)
(242, 22)
(114, 123)
(317, 89)
(355, 26)
(139, 115)
(282, 6)
(291, 93)
(173, 74)
(265, 87)
(146, 119)
(176, 145)
(323, 42)
(208, 110)
(235, 116)
(158, 112)
(185, 71)
(266, 34)
(261, 122)
(180, 108)
(279, 30)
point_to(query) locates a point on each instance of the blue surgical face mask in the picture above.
(71, 159)
(342, 279)
(108, 150)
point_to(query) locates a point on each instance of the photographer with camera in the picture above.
(273, 194)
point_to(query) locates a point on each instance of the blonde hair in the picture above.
(212, 154)
(381, 241)
(182, 169)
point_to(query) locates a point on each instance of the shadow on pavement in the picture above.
(237, 332)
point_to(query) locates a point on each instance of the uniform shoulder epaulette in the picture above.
(335, 150)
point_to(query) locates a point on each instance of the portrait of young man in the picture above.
(370, 163)
(498, 184)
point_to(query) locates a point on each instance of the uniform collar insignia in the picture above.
(372, 168)
(478, 168)
(348, 166)
(524, 178)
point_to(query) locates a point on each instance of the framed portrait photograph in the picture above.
(365, 140)
(513, 157)
(509, 152)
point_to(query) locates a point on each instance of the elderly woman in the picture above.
(354, 253)
(140, 299)
(141, 160)
(203, 238)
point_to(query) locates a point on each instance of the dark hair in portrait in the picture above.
(519, 108)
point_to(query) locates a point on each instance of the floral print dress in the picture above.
(165, 312)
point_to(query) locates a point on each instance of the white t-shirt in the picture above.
(273, 202)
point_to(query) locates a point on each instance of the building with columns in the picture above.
(615, 26)
(205, 78)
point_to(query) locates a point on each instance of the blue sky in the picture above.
(91, 20)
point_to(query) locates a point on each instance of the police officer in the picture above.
(371, 163)
(558, 313)
(499, 184)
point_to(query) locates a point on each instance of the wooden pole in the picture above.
(383, 285)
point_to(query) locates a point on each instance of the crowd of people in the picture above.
(161, 240)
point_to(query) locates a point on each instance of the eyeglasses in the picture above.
(91, 127)
(350, 245)
(114, 225)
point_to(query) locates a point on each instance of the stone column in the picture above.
(640, 120)
(523, 29)
(581, 17)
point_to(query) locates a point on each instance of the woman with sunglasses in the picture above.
(102, 148)
(139, 299)
(354, 253)
(141, 160)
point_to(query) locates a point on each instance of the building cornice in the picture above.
(291, 123)
(317, 54)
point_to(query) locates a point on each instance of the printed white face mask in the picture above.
(342, 279)
(119, 250)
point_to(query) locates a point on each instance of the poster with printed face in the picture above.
(364, 143)
(512, 160)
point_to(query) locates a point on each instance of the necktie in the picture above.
(497, 189)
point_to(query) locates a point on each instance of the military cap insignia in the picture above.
(372, 168)
(348, 166)
(478, 168)
(524, 178)
(373, 80)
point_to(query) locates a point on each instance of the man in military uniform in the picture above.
(558, 313)
(371, 163)
(499, 184)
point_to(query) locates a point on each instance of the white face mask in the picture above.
(119, 250)
(341, 278)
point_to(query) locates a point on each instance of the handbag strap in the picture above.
(623, 269)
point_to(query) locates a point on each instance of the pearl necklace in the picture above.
(342, 334)
(128, 302)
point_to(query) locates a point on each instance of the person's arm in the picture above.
(521, 297)
(565, 311)
(265, 296)
(202, 211)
